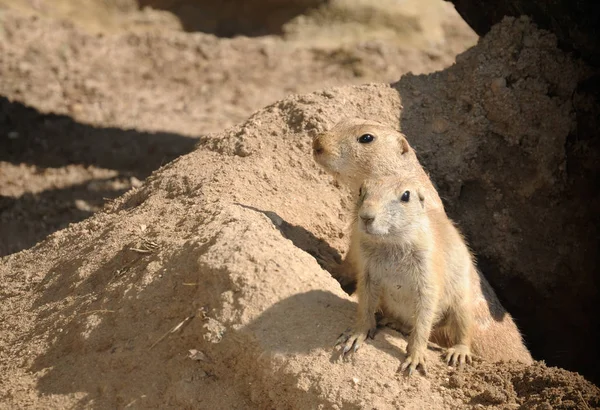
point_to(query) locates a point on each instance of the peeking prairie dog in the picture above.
(415, 267)
(357, 149)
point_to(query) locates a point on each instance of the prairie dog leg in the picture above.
(365, 325)
(461, 325)
(417, 342)
(347, 273)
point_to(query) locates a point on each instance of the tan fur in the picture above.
(415, 266)
(339, 153)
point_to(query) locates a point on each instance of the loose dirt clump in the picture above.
(207, 286)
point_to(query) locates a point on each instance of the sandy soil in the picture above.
(207, 285)
(106, 74)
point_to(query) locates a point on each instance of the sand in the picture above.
(206, 284)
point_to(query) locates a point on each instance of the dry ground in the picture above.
(206, 285)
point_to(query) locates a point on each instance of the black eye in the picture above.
(360, 192)
(405, 196)
(366, 138)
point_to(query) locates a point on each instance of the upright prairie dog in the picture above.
(357, 149)
(416, 268)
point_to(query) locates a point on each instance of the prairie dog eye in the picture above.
(360, 192)
(366, 138)
(405, 196)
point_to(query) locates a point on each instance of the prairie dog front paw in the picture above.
(353, 337)
(459, 354)
(414, 359)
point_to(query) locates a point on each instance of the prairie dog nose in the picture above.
(367, 218)
(317, 146)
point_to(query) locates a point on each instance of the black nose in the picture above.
(317, 147)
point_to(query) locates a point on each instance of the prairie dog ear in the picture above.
(404, 147)
(421, 197)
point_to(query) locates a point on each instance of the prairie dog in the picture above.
(416, 268)
(357, 149)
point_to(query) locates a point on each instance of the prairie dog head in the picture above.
(391, 210)
(356, 149)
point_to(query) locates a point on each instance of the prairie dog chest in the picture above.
(390, 273)
(396, 273)
(391, 266)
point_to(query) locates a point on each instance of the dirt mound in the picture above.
(55, 170)
(507, 135)
(206, 287)
(422, 23)
(575, 23)
(234, 17)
